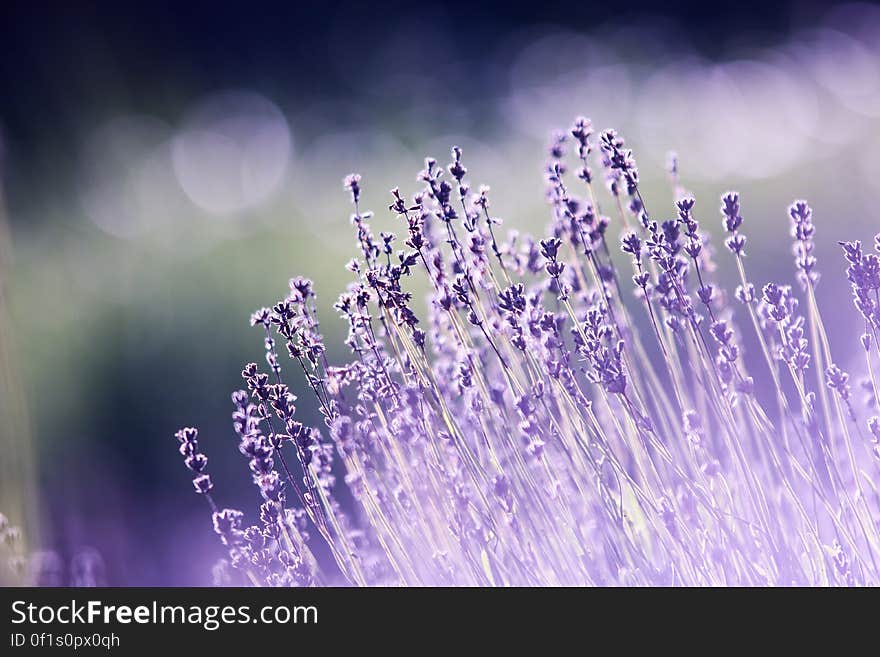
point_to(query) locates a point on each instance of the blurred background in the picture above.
(164, 170)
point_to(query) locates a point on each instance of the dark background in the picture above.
(59, 59)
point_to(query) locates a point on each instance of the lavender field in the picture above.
(583, 305)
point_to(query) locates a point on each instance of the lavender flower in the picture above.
(194, 460)
(531, 424)
(802, 231)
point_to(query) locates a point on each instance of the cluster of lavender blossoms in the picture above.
(572, 410)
